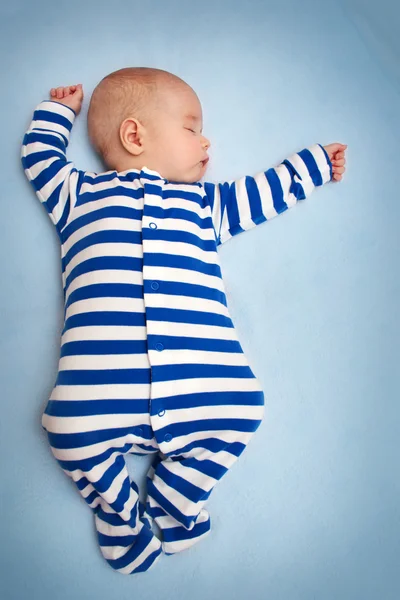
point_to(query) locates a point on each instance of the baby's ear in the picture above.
(131, 135)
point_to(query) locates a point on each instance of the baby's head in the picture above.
(141, 117)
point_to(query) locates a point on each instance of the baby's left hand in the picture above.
(336, 156)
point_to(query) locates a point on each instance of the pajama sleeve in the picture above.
(241, 204)
(43, 155)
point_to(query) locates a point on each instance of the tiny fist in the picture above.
(71, 96)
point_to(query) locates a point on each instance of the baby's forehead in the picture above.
(186, 103)
(195, 119)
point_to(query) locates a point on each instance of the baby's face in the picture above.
(177, 149)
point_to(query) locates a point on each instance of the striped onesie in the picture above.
(150, 361)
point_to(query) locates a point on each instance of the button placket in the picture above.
(153, 286)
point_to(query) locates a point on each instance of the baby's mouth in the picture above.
(204, 162)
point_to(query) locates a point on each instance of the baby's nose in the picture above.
(206, 143)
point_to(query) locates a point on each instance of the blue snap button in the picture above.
(167, 437)
(155, 285)
(161, 413)
(159, 347)
(152, 225)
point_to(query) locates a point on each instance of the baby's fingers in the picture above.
(57, 92)
(337, 177)
(340, 170)
(61, 92)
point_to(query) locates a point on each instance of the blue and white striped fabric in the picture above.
(150, 361)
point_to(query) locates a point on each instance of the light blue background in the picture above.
(311, 511)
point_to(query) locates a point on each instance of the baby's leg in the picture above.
(176, 537)
(98, 468)
(179, 485)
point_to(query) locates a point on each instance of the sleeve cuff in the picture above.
(318, 165)
(328, 161)
(54, 116)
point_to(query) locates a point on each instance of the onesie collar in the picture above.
(148, 173)
(154, 176)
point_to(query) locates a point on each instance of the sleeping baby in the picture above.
(150, 361)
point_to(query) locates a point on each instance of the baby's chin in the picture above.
(198, 173)
(192, 176)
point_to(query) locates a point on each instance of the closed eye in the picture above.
(192, 130)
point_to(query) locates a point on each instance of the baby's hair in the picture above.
(128, 92)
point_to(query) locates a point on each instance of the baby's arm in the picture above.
(43, 153)
(242, 204)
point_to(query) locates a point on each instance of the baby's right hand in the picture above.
(71, 96)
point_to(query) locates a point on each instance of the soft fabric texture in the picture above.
(150, 361)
